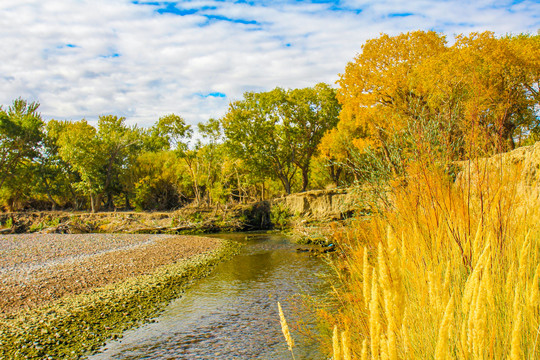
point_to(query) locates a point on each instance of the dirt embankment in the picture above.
(519, 169)
(316, 205)
(321, 205)
(189, 220)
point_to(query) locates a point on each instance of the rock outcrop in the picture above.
(320, 204)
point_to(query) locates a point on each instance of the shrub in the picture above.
(280, 215)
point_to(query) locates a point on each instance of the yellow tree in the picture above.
(501, 82)
(378, 92)
(480, 94)
(492, 83)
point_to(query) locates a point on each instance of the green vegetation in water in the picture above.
(81, 324)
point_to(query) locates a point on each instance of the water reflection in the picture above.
(233, 313)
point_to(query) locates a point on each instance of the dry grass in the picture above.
(450, 272)
(285, 330)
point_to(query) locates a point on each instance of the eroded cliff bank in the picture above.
(317, 205)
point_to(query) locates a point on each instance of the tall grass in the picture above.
(449, 271)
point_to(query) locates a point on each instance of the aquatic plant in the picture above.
(280, 215)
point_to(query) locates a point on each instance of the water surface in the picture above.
(232, 314)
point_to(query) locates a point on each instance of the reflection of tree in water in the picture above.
(259, 262)
(252, 267)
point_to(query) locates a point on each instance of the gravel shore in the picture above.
(36, 269)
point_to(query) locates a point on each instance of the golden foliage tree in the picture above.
(480, 94)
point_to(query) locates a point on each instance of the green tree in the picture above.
(212, 155)
(311, 113)
(169, 132)
(54, 176)
(276, 133)
(256, 132)
(121, 143)
(80, 146)
(159, 181)
(21, 132)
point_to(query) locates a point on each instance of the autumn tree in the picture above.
(413, 93)
(377, 92)
(490, 86)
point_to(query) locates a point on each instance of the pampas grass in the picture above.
(449, 271)
(285, 330)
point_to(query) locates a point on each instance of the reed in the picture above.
(285, 330)
(449, 271)
(341, 345)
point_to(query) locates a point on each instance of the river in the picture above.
(232, 314)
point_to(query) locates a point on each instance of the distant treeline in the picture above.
(402, 96)
(263, 147)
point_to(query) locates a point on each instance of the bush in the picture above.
(280, 215)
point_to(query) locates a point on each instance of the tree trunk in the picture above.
(128, 204)
(76, 201)
(305, 178)
(335, 173)
(110, 202)
(239, 185)
(49, 196)
(286, 184)
(95, 202)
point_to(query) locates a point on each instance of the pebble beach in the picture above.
(36, 269)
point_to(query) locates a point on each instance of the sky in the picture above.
(146, 59)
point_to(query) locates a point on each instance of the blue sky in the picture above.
(144, 59)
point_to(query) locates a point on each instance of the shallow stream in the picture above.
(232, 314)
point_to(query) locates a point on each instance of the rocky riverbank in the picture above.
(63, 297)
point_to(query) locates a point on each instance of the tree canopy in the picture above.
(478, 96)
(20, 137)
(277, 132)
(401, 98)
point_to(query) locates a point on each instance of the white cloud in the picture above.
(82, 59)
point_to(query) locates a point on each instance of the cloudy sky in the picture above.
(144, 59)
